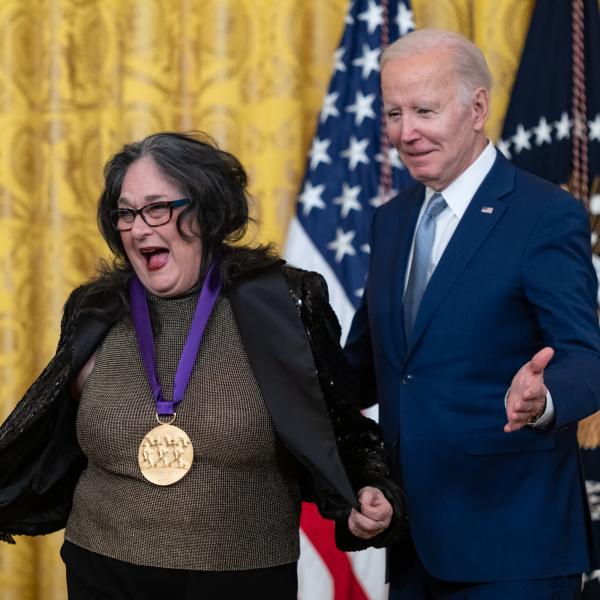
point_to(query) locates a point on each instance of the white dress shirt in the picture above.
(458, 196)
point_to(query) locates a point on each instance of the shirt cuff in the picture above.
(548, 415)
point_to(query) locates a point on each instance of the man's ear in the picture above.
(480, 108)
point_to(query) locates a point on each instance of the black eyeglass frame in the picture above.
(116, 213)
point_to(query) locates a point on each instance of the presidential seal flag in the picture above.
(351, 169)
(552, 128)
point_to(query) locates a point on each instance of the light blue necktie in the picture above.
(417, 280)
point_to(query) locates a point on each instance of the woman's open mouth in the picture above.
(155, 257)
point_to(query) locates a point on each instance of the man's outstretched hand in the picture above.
(527, 395)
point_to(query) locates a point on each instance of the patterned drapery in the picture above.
(78, 78)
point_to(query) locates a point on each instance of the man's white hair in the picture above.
(469, 64)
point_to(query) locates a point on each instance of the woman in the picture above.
(182, 419)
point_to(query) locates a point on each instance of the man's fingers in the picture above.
(375, 513)
(367, 496)
(521, 412)
(530, 403)
(541, 359)
(363, 527)
(514, 417)
(363, 522)
(512, 426)
(519, 407)
(516, 422)
(371, 501)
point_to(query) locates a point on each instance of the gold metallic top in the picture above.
(238, 507)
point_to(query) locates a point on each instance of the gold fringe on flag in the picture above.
(588, 432)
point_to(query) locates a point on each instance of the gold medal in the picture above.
(165, 455)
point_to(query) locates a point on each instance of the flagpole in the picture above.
(385, 170)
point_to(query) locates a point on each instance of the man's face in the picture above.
(437, 134)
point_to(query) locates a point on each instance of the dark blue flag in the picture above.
(539, 129)
(538, 136)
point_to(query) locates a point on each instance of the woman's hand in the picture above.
(375, 514)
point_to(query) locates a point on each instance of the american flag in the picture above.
(351, 169)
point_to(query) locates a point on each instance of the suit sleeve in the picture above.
(358, 438)
(561, 284)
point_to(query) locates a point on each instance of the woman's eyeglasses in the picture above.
(154, 215)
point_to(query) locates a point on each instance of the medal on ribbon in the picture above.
(166, 453)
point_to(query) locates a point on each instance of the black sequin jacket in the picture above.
(300, 369)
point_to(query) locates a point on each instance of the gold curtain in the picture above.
(78, 78)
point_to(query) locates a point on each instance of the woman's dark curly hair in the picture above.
(214, 181)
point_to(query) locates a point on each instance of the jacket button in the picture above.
(407, 379)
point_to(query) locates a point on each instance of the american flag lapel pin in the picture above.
(487, 210)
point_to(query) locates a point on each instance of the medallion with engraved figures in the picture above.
(165, 455)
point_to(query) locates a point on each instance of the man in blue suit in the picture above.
(478, 335)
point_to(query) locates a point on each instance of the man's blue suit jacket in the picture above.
(516, 276)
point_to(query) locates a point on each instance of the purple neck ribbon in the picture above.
(143, 330)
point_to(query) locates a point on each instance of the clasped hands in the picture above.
(375, 514)
(526, 398)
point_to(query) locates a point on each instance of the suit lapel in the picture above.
(482, 215)
(281, 359)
